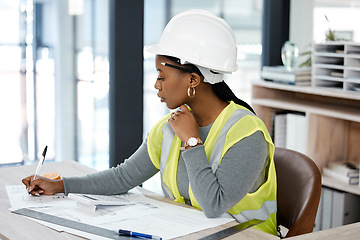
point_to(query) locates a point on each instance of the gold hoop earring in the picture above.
(191, 95)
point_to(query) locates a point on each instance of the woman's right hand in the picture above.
(43, 185)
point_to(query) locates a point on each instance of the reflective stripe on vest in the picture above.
(215, 158)
(168, 134)
(263, 213)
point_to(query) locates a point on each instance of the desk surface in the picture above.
(13, 226)
(346, 232)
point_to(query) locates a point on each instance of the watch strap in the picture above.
(186, 144)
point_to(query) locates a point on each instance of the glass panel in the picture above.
(11, 97)
(25, 97)
(93, 85)
(45, 101)
(245, 18)
(93, 118)
(9, 21)
(11, 105)
(154, 23)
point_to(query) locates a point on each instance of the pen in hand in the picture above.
(41, 162)
(138, 235)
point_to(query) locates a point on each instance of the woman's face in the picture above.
(172, 84)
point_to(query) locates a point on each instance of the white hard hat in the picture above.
(200, 38)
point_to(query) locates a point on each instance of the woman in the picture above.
(213, 152)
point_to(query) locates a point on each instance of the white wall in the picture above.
(301, 25)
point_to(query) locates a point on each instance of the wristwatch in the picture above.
(192, 142)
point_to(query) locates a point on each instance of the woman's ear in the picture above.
(195, 79)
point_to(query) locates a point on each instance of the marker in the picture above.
(138, 235)
(41, 162)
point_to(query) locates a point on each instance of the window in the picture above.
(11, 84)
(54, 81)
(92, 77)
(27, 84)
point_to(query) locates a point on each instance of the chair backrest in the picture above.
(298, 191)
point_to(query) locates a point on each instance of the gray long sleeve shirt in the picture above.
(243, 170)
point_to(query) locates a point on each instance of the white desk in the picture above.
(13, 226)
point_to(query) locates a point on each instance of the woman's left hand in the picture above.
(184, 124)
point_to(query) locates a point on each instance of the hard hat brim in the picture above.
(155, 49)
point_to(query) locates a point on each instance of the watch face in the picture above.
(192, 141)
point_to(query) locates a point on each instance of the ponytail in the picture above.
(223, 91)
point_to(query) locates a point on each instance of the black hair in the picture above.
(224, 92)
(221, 89)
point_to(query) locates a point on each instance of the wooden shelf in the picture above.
(339, 185)
(332, 116)
(327, 92)
(311, 108)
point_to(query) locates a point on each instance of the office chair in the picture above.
(298, 191)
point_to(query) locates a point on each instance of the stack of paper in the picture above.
(343, 171)
(96, 201)
(298, 76)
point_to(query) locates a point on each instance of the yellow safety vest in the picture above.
(232, 125)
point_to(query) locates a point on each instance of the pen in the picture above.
(138, 235)
(41, 162)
